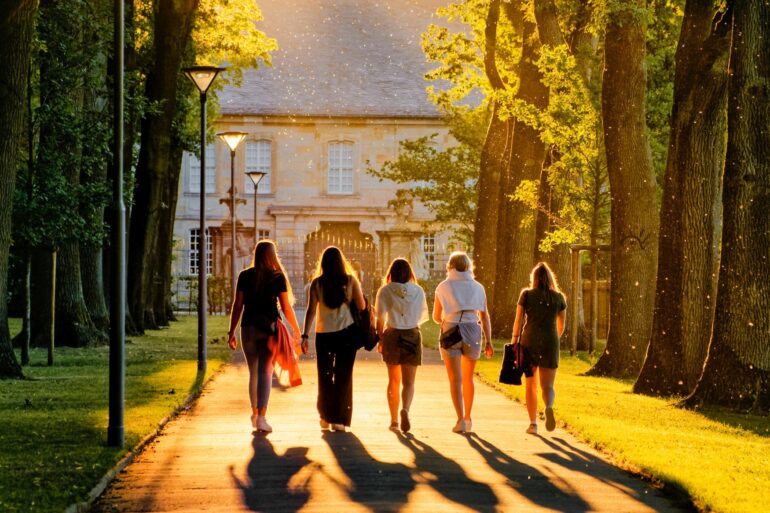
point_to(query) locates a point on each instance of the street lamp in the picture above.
(202, 77)
(115, 424)
(256, 177)
(233, 139)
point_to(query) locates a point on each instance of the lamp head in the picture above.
(202, 76)
(256, 176)
(233, 139)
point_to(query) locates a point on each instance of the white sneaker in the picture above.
(339, 427)
(262, 425)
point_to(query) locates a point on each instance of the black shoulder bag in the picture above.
(516, 361)
(451, 336)
(365, 329)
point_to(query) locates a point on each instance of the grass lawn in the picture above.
(53, 424)
(721, 459)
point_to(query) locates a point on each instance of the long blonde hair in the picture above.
(460, 262)
(267, 262)
(543, 278)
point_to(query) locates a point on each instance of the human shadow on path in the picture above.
(378, 485)
(275, 483)
(528, 481)
(448, 477)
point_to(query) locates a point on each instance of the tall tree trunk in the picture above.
(92, 273)
(516, 242)
(16, 25)
(493, 159)
(634, 227)
(173, 24)
(689, 228)
(74, 326)
(737, 370)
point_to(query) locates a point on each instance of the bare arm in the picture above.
(517, 323)
(561, 322)
(312, 302)
(358, 295)
(486, 327)
(288, 312)
(235, 317)
(438, 312)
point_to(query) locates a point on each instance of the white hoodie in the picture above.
(401, 305)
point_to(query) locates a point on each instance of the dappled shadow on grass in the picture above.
(758, 424)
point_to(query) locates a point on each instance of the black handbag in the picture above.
(451, 336)
(515, 361)
(365, 329)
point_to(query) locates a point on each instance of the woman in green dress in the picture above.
(542, 310)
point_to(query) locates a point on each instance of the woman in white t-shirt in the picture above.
(332, 290)
(461, 301)
(400, 308)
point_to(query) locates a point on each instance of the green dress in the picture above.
(539, 336)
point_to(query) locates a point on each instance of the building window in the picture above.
(263, 234)
(259, 158)
(194, 252)
(194, 171)
(428, 244)
(340, 174)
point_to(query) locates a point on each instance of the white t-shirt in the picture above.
(458, 292)
(401, 305)
(329, 320)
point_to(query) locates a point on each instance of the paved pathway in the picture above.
(209, 460)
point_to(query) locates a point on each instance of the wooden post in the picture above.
(53, 309)
(575, 254)
(594, 300)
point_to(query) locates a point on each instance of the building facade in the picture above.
(341, 95)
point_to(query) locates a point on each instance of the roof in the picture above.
(340, 58)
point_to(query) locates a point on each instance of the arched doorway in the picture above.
(358, 247)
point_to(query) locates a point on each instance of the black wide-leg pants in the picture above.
(335, 356)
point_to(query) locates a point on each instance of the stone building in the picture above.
(345, 88)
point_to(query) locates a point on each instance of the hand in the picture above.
(304, 345)
(379, 348)
(232, 341)
(489, 350)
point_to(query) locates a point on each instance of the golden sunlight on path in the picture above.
(209, 460)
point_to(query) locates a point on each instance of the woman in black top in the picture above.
(543, 311)
(259, 290)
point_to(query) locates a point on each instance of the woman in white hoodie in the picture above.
(461, 302)
(401, 308)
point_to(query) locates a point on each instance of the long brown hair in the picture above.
(267, 263)
(400, 271)
(542, 278)
(332, 274)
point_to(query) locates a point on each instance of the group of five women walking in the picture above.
(460, 305)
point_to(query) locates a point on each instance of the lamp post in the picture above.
(256, 177)
(115, 424)
(233, 139)
(202, 77)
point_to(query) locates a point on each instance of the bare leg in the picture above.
(408, 373)
(547, 378)
(469, 389)
(394, 384)
(531, 396)
(452, 364)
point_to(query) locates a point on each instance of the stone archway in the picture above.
(358, 247)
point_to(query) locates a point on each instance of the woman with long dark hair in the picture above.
(259, 290)
(333, 288)
(542, 310)
(401, 308)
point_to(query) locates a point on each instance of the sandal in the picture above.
(532, 429)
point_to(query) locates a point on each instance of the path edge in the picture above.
(673, 490)
(96, 492)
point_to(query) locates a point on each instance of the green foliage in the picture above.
(571, 127)
(444, 180)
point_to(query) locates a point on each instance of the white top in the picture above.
(458, 292)
(329, 320)
(401, 305)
